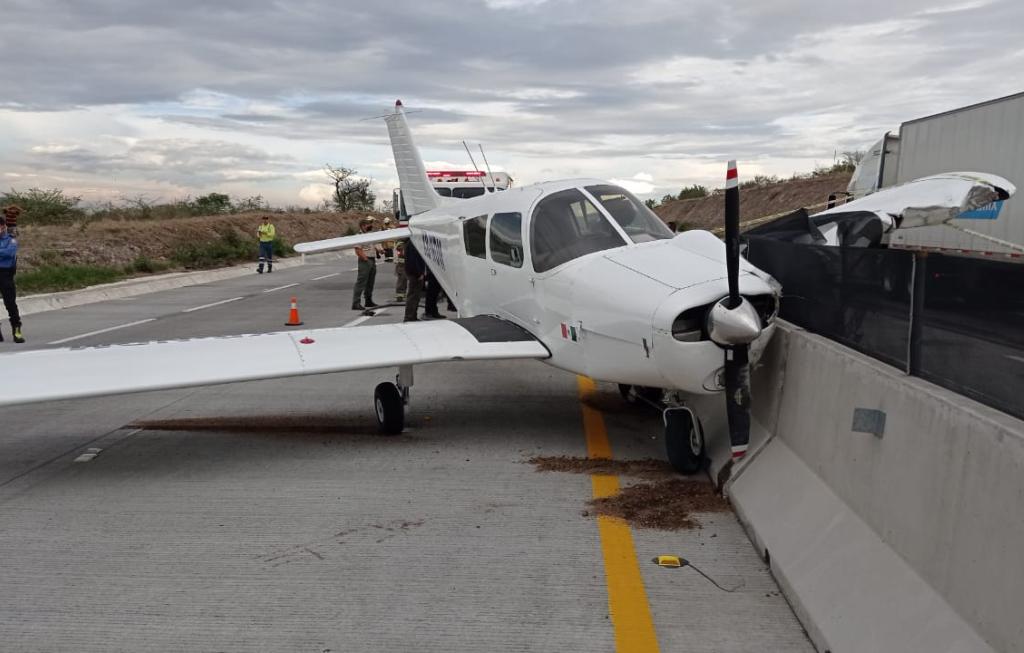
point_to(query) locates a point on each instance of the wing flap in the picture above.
(52, 374)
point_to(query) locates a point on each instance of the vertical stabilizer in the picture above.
(417, 191)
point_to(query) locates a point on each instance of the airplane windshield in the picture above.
(565, 226)
(639, 222)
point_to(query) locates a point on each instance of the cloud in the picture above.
(116, 94)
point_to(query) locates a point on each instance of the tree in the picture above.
(853, 157)
(693, 192)
(253, 203)
(212, 204)
(350, 193)
(651, 203)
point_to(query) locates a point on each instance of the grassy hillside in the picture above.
(65, 257)
(121, 242)
(707, 212)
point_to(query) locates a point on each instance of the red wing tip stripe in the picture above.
(739, 451)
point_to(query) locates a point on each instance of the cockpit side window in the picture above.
(507, 239)
(565, 226)
(474, 235)
(639, 222)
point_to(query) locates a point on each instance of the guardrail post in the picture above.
(917, 298)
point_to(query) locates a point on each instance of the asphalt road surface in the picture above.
(270, 516)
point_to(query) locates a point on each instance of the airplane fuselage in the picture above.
(630, 312)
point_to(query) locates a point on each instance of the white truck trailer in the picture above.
(985, 137)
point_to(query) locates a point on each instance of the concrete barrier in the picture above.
(891, 510)
(54, 301)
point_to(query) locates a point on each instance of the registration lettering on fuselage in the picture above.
(433, 249)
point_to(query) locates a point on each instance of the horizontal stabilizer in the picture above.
(348, 242)
(52, 374)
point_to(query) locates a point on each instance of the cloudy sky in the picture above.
(120, 99)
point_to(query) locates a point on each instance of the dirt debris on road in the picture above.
(666, 503)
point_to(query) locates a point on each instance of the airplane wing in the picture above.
(65, 373)
(348, 242)
(930, 200)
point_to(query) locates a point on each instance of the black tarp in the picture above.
(972, 324)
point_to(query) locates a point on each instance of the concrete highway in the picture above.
(270, 516)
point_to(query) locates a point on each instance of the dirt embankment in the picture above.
(120, 242)
(707, 212)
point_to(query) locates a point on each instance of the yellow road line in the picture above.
(627, 599)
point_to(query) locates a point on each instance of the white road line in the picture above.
(291, 285)
(326, 276)
(1016, 358)
(96, 333)
(223, 301)
(363, 318)
(89, 454)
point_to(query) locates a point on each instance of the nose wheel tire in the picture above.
(390, 409)
(684, 443)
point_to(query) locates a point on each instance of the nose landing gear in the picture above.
(684, 438)
(684, 442)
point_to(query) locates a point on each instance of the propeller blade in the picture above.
(732, 233)
(737, 360)
(737, 398)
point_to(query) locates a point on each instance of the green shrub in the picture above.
(229, 247)
(282, 248)
(51, 278)
(145, 265)
(44, 206)
(693, 192)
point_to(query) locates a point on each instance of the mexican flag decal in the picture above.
(569, 332)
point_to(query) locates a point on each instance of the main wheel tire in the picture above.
(684, 444)
(390, 409)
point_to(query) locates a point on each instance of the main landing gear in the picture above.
(684, 438)
(390, 400)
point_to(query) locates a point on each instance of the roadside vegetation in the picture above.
(846, 164)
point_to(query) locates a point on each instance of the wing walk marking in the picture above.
(223, 301)
(99, 331)
(326, 276)
(627, 598)
(291, 285)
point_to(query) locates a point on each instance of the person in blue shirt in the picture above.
(8, 267)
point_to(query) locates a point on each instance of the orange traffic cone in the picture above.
(293, 315)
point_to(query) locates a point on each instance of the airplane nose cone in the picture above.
(737, 326)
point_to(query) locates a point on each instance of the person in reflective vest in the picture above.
(266, 233)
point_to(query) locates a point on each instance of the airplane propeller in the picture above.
(733, 324)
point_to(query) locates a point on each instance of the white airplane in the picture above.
(576, 273)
